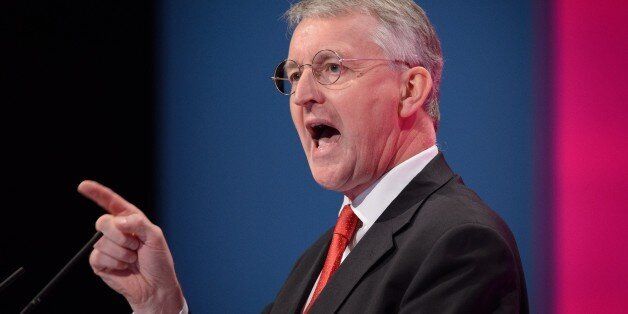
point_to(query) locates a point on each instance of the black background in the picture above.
(77, 102)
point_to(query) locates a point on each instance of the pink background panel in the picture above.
(591, 160)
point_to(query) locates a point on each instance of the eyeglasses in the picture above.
(327, 68)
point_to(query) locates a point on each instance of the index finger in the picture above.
(106, 198)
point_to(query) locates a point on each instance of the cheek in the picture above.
(297, 117)
(369, 117)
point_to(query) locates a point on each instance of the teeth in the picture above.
(318, 130)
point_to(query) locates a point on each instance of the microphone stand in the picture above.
(7, 282)
(38, 298)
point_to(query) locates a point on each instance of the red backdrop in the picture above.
(591, 142)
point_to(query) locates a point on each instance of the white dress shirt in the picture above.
(184, 310)
(371, 203)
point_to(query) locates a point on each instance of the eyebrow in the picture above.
(339, 51)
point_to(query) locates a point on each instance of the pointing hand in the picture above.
(132, 257)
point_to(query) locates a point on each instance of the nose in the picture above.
(307, 90)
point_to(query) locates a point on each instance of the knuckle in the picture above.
(119, 220)
(132, 221)
(113, 237)
(128, 242)
(157, 234)
(133, 258)
(117, 264)
(141, 220)
(157, 231)
(92, 257)
(108, 248)
(128, 256)
(102, 222)
(99, 223)
(124, 256)
(94, 260)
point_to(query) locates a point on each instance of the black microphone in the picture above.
(37, 299)
(7, 282)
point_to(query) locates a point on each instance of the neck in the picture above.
(416, 143)
(410, 142)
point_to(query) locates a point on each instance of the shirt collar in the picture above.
(371, 203)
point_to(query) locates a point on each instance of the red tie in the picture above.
(343, 233)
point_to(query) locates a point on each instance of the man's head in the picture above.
(383, 108)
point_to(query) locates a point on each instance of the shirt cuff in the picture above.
(184, 310)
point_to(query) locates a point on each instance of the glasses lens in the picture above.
(326, 67)
(284, 74)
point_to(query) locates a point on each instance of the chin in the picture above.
(329, 179)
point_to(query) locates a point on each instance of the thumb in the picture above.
(138, 225)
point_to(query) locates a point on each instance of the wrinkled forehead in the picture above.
(349, 35)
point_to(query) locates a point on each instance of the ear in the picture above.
(417, 84)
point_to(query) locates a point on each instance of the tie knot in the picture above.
(347, 223)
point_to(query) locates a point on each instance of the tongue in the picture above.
(329, 135)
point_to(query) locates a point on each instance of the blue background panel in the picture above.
(235, 195)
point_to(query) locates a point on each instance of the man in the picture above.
(362, 78)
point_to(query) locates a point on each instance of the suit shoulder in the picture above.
(455, 205)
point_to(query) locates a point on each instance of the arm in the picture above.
(471, 267)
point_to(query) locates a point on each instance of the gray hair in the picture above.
(405, 33)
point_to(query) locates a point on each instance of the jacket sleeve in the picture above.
(471, 268)
(267, 308)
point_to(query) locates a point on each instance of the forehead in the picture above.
(349, 35)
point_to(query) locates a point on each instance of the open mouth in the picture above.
(323, 134)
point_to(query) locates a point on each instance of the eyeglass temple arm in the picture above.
(366, 59)
(371, 59)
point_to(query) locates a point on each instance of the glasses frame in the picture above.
(340, 60)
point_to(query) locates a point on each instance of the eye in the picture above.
(333, 68)
(294, 77)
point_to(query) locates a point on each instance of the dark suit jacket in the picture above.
(436, 249)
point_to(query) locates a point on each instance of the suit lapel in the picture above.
(297, 288)
(379, 239)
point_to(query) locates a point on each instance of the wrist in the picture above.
(163, 301)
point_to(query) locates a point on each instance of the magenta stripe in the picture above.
(591, 160)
